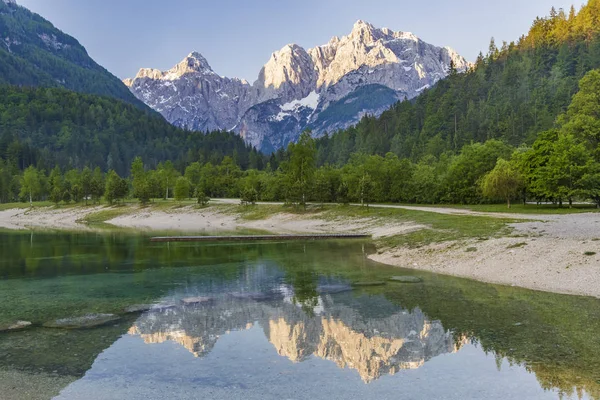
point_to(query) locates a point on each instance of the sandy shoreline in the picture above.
(548, 254)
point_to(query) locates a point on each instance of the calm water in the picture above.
(277, 321)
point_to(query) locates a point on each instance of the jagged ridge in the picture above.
(281, 103)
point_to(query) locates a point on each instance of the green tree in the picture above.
(73, 186)
(140, 181)
(249, 195)
(168, 175)
(116, 187)
(301, 167)
(97, 185)
(365, 189)
(504, 181)
(582, 120)
(31, 184)
(203, 199)
(56, 185)
(182, 188)
(86, 183)
(561, 176)
(194, 174)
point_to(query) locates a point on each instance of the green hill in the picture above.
(53, 126)
(34, 53)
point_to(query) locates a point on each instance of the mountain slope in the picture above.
(512, 94)
(34, 53)
(53, 126)
(197, 98)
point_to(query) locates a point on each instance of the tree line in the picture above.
(562, 165)
(45, 127)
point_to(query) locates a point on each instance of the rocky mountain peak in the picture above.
(360, 26)
(193, 63)
(290, 72)
(364, 31)
(196, 61)
(14, 2)
(325, 88)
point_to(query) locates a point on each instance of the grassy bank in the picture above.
(437, 227)
(520, 208)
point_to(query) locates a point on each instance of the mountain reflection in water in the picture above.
(282, 322)
(334, 331)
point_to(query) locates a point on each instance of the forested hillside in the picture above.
(34, 53)
(45, 127)
(511, 94)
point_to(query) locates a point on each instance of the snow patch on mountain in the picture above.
(296, 85)
(311, 101)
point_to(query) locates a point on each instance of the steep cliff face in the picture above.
(296, 86)
(191, 95)
(288, 75)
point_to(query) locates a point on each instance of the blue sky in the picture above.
(238, 36)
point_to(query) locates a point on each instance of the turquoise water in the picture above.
(276, 321)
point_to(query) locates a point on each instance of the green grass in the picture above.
(439, 227)
(520, 208)
(106, 214)
(259, 212)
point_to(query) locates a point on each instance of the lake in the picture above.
(275, 321)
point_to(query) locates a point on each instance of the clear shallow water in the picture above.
(279, 321)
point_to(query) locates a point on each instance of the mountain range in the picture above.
(325, 89)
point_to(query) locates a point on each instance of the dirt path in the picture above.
(435, 210)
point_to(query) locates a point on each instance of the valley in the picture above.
(465, 187)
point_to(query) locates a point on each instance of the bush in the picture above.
(249, 196)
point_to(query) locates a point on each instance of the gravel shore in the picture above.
(557, 253)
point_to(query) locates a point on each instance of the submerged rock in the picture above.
(333, 289)
(163, 306)
(368, 283)
(255, 296)
(406, 279)
(84, 322)
(15, 326)
(190, 301)
(137, 308)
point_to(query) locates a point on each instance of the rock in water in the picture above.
(137, 308)
(368, 283)
(406, 279)
(190, 301)
(15, 326)
(254, 296)
(333, 289)
(163, 307)
(84, 322)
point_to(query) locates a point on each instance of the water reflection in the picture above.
(290, 312)
(334, 331)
